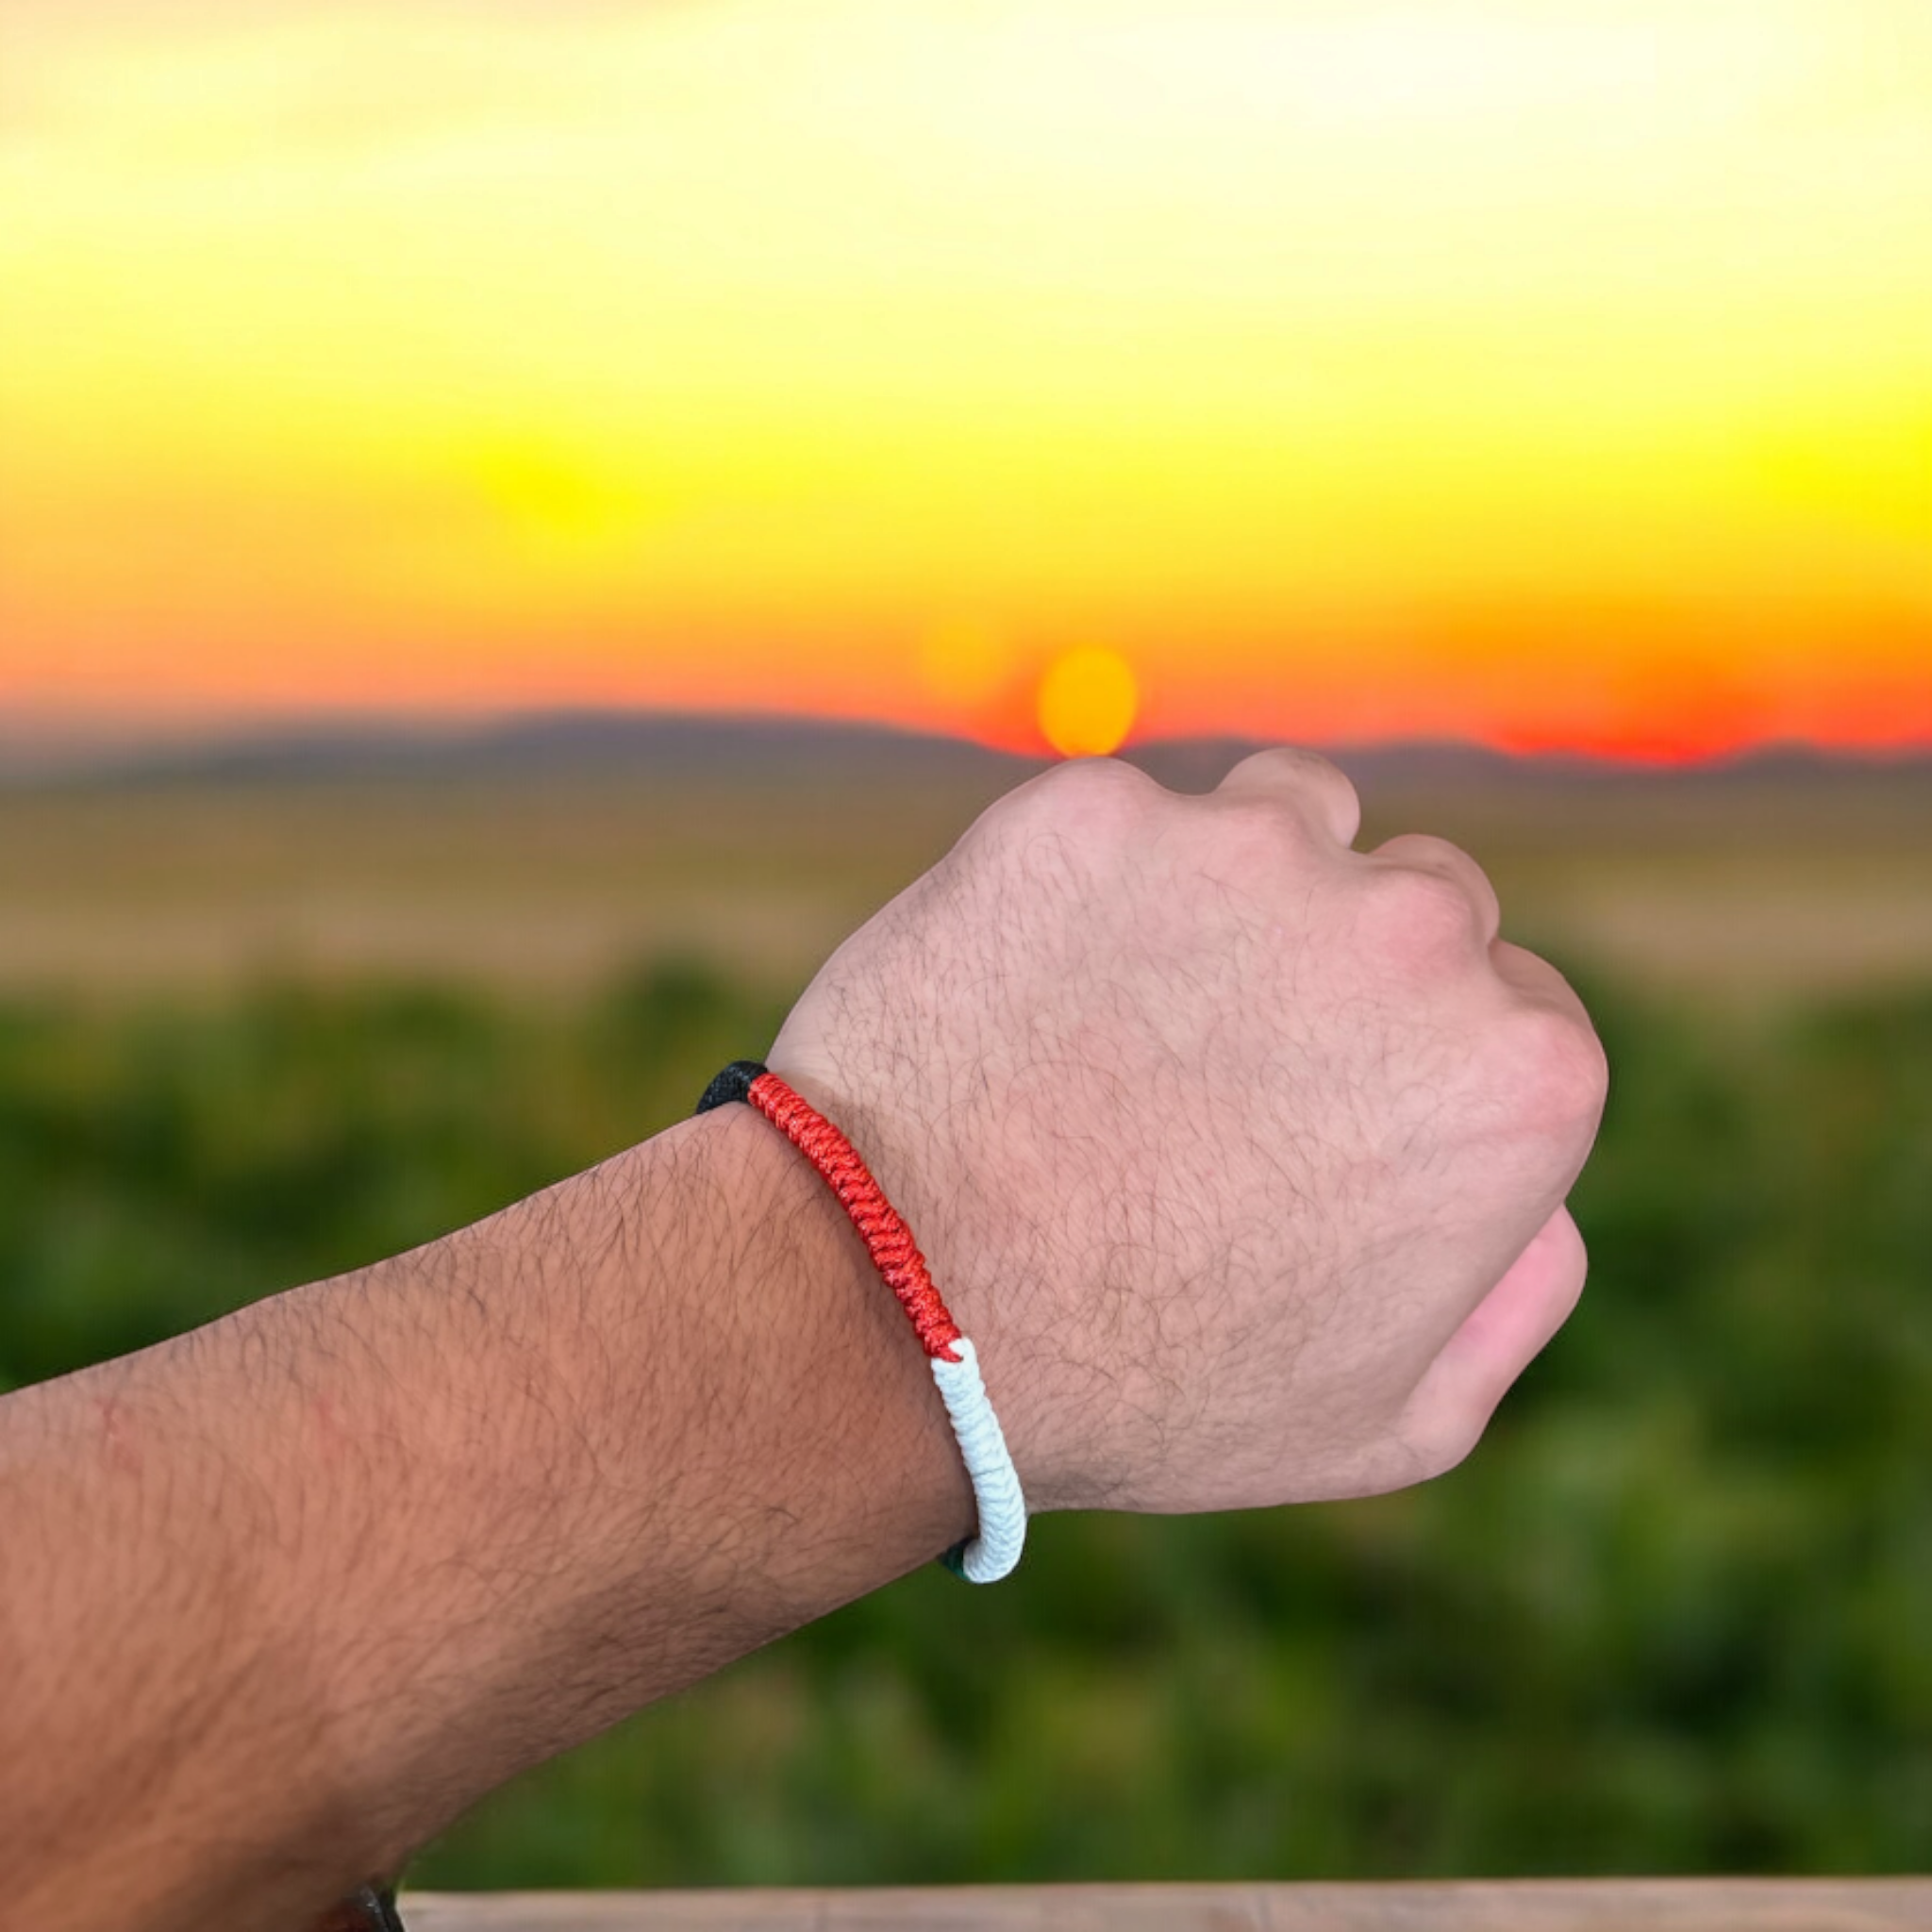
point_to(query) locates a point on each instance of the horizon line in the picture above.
(72, 745)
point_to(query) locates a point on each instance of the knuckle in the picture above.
(1295, 766)
(1420, 914)
(1073, 796)
(1448, 1438)
(1260, 831)
(1424, 852)
(1557, 1067)
(1289, 773)
(1099, 785)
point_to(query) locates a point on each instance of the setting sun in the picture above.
(1087, 702)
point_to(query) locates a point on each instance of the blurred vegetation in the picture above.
(1675, 1615)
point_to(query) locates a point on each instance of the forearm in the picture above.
(326, 1571)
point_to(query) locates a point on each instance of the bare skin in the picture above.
(1241, 1155)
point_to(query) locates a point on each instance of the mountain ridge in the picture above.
(552, 744)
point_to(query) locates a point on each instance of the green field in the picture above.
(1672, 1616)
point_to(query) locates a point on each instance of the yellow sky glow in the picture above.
(1560, 372)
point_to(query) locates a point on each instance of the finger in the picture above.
(1303, 780)
(1420, 852)
(1505, 1331)
(1534, 980)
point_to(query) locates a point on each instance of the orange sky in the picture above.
(1558, 374)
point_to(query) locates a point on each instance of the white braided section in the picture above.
(994, 1551)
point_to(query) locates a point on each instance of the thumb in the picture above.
(1501, 1336)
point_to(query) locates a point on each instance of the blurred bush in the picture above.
(1673, 1615)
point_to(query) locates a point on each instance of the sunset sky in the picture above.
(1555, 371)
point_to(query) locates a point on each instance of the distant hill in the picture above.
(535, 744)
(553, 744)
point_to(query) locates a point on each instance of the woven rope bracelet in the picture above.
(992, 1553)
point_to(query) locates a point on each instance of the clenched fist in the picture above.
(1239, 1153)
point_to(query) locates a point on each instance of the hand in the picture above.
(1240, 1154)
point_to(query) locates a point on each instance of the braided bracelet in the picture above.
(995, 1550)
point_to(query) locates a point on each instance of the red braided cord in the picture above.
(887, 1239)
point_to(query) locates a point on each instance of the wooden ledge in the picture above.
(1695, 1904)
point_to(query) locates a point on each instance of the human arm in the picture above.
(285, 1594)
(1215, 1133)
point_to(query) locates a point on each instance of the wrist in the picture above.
(847, 1473)
(671, 1422)
(958, 1232)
